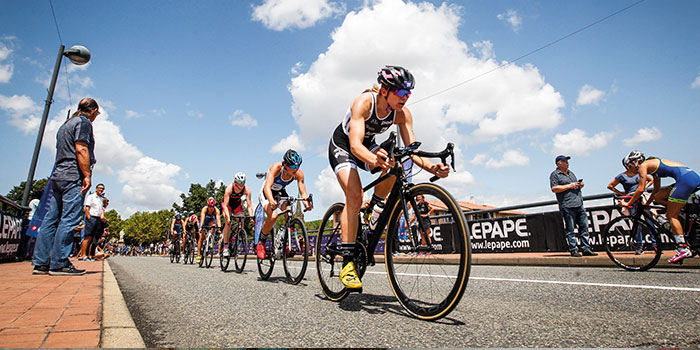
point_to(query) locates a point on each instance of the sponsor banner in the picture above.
(540, 232)
(10, 235)
(259, 221)
(40, 211)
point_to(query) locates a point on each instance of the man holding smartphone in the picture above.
(567, 187)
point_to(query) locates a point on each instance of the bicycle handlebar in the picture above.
(390, 146)
(292, 199)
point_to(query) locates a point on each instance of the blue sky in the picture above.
(192, 91)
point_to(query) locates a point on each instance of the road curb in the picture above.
(118, 328)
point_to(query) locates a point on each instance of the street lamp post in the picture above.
(79, 55)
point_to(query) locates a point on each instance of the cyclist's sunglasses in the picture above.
(292, 166)
(402, 93)
(239, 182)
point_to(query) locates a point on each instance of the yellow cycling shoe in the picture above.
(349, 278)
(198, 259)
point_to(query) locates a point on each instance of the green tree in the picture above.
(17, 192)
(147, 227)
(116, 223)
(196, 198)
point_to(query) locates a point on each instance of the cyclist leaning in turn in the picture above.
(353, 145)
(176, 227)
(208, 216)
(278, 177)
(233, 204)
(191, 226)
(673, 197)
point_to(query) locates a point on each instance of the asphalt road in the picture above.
(504, 306)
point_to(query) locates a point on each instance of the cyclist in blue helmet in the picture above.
(353, 146)
(278, 177)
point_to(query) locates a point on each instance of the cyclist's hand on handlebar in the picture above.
(273, 204)
(382, 159)
(308, 205)
(440, 170)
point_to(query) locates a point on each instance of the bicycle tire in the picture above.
(172, 256)
(295, 257)
(223, 260)
(621, 248)
(240, 250)
(446, 281)
(201, 254)
(266, 265)
(190, 247)
(328, 261)
(186, 253)
(210, 250)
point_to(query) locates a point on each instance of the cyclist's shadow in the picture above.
(381, 304)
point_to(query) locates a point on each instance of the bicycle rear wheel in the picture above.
(329, 260)
(632, 244)
(172, 255)
(190, 247)
(295, 257)
(265, 265)
(177, 253)
(210, 250)
(430, 281)
(239, 251)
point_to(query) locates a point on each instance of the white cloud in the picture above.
(6, 68)
(512, 18)
(577, 143)
(329, 190)
(696, 83)
(588, 95)
(283, 14)
(149, 183)
(195, 114)
(23, 111)
(643, 135)
(159, 112)
(292, 141)
(129, 114)
(509, 158)
(512, 99)
(242, 119)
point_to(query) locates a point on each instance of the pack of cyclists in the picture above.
(353, 146)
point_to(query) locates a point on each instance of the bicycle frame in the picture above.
(689, 229)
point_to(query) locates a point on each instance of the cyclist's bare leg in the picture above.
(271, 217)
(199, 242)
(349, 181)
(227, 229)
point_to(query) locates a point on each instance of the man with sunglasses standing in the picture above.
(353, 146)
(233, 204)
(278, 177)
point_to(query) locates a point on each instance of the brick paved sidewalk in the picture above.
(50, 311)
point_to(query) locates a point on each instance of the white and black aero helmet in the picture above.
(396, 78)
(239, 177)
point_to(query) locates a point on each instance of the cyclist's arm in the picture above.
(360, 110)
(224, 203)
(248, 201)
(643, 178)
(302, 187)
(404, 119)
(201, 219)
(271, 173)
(172, 227)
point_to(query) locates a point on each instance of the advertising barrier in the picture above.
(10, 228)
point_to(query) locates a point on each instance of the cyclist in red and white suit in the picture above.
(233, 204)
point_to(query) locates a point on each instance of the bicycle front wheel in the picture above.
(225, 260)
(295, 257)
(265, 265)
(172, 256)
(428, 266)
(632, 244)
(329, 260)
(239, 251)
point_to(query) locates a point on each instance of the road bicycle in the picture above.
(428, 267)
(290, 243)
(208, 246)
(189, 251)
(174, 250)
(635, 242)
(238, 245)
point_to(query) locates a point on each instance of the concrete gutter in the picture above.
(118, 328)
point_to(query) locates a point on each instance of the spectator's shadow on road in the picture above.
(380, 304)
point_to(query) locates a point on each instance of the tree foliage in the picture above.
(147, 227)
(116, 224)
(196, 198)
(17, 192)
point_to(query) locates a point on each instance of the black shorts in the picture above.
(339, 154)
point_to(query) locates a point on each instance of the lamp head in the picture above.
(78, 54)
